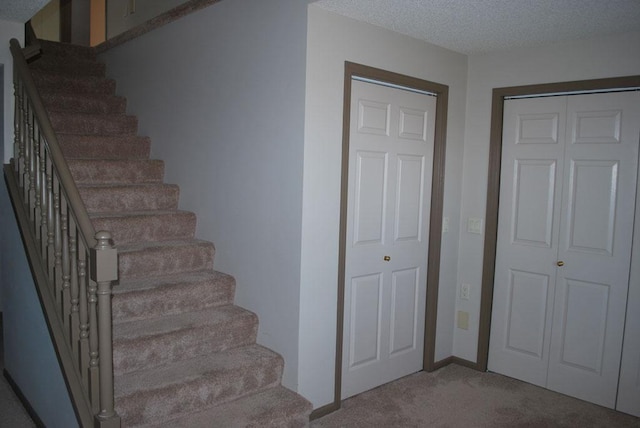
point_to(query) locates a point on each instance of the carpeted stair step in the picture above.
(172, 294)
(95, 124)
(112, 171)
(83, 103)
(66, 50)
(53, 82)
(104, 146)
(137, 197)
(157, 259)
(70, 66)
(146, 226)
(157, 342)
(156, 395)
(274, 408)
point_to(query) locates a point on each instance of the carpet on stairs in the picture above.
(184, 354)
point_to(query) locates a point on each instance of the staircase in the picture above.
(184, 355)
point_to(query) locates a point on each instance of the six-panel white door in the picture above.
(566, 215)
(390, 173)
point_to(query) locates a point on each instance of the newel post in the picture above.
(104, 270)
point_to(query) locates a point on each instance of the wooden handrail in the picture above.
(68, 184)
(74, 267)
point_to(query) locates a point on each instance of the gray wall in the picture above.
(221, 94)
(29, 357)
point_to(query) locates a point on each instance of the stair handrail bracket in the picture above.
(74, 267)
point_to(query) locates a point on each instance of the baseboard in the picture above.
(324, 411)
(455, 360)
(332, 407)
(25, 403)
(465, 363)
(442, 363)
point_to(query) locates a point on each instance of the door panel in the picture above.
(389, 192)
(567, 204)
(371, 196)
(528, 295)
(528, 217)
(534, 185)
(582, 344)
(404, 312)
(592, 205)
(365, 320)
(409, 205)
(601, 165)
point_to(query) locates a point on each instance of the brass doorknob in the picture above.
(387, 258)
(560, 263)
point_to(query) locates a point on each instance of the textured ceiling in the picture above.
(20, 10)
(478, 26)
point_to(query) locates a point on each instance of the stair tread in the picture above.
(189, 320)
(128, 285)
(145, 213)
(141, 246)
(71, 122)
(53, 81)
(67, 49)
(196, 368)
(171, 294)
(90, 115)
(274, 407)
(147, 226)
(141, 186)
(82, 102)
(116, 171)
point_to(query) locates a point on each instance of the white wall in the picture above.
(221, 94)
(587, 59)
(331, 40)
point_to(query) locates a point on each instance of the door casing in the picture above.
(435, 226)
(493, 185)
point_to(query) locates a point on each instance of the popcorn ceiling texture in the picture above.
(472, 26)
(20, 10)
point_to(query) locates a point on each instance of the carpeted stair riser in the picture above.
(169, 295)
(147, 226)
(145, 344)
(51, 82)
(69, 66)
(164, 258)
(104, 147)
(139, 197)
(150, 396)
(111, 171)
(96, 124)
(274, 408)
(61, 101)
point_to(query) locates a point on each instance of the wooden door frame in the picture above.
(493, 185)
(435, 225)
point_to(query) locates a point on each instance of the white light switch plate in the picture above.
(445, 224)
(474, 225)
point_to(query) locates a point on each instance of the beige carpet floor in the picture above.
(458, 397)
